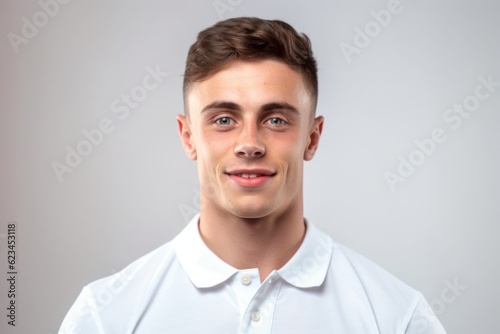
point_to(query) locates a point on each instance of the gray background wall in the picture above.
(136, 189)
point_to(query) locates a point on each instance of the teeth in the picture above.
(249, 176)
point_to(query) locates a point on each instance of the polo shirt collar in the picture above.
(203, 267)
(307, 268)
(309, 265)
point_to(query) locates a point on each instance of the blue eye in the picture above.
(224, 121)
(276, 121)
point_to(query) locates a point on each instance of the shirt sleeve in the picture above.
(82, 318)
(424, 321)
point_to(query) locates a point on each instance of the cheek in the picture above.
(294, 169)
(291, 157)
(210, 155)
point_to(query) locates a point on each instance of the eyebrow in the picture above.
(266, 107)
(221, 105)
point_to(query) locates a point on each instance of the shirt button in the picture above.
(245, 279)
(255, 316)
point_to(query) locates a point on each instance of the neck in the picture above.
(265, 243)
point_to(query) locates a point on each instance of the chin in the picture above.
(251, 211)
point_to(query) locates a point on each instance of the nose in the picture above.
(249, 145)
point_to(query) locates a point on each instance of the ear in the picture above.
(313, 140)
(184, 128)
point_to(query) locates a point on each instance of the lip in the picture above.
(250, 178)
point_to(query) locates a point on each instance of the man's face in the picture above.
(250, 127)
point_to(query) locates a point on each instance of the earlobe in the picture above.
(313, 140)
(184, 129)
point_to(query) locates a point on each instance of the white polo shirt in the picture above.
(183, 287)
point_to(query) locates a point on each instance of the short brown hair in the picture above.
(250, 38)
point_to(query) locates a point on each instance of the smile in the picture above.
(250, 178)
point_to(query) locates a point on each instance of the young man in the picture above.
(250, 262)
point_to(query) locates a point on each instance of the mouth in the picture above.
(250, 178)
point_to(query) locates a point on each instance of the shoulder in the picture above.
(140, 271)
(388, 297)
(118, 299)
(393, 303)
(372, 277)
(366, 269)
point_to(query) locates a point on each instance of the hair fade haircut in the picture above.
(250, 38)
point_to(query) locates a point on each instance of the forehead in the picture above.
(252, 83)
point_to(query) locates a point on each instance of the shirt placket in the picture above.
(258, 316)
